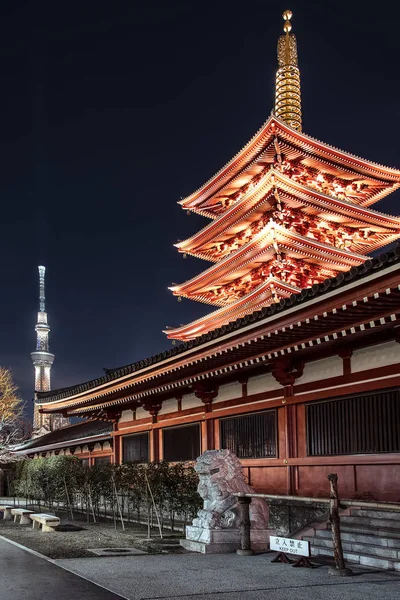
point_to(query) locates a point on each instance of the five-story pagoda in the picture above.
(286, 213)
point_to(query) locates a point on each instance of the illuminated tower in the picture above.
(42, 359)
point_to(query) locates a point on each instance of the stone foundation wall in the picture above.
(289, 516)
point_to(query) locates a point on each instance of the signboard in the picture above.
(289, 546)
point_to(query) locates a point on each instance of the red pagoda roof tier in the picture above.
(269, 292)
(336, 219)
(272, 240)
(301, 156)
(297, 273)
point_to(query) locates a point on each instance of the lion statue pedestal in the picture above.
(217, 526)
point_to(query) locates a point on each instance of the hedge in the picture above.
(139, 491)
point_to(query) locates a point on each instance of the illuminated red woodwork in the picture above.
(287, 212)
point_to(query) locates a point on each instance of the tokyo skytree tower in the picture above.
(42, 359)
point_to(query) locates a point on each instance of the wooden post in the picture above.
(334, 518)
(245, 550)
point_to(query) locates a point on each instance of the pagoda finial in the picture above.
(287, 89)
(287, 26)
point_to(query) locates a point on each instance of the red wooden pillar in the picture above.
(208, 434)
(160, 444)
(217, 437)
(154, 445)
(153, 408)
(286, 372)
(346, 354)
(243, 382)
(91, 460)
(114, 416)
(291, 446)
(204, 436)
(116, 455)
(206, 394)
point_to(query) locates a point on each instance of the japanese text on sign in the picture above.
(289, 546)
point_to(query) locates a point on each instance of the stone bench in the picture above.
(48, 522)
(6, 510)
(21, 514)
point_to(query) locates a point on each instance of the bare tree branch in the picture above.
(13, 427)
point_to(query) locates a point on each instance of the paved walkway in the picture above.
(229, 577)
(24, 576)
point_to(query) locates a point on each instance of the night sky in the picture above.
(112, 111)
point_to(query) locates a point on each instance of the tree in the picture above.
(11, 415)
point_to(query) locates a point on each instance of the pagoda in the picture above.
(287, 212)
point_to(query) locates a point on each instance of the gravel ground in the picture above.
(74, 544)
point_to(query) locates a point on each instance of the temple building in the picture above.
(296, 369)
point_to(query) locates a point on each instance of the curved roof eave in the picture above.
(247, 153)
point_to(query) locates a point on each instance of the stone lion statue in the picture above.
(221, 475)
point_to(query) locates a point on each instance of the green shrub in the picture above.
(64, 479)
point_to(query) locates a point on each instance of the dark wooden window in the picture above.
(85, 462)
(102, 460)
(181, 443)
(250, 436)
(365, 424)
(135, 448)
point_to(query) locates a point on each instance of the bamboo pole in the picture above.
(118, 505)
(68, 502)
(154, 505)
(148, 514)
(113, 509)
(86, 507)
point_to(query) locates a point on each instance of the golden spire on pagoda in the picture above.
(287, 89)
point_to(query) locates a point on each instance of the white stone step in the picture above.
(365, 560)
(393, 515)
(355, 537)
(369, 537)
(362, 549)
(364, 529)
(371, 522)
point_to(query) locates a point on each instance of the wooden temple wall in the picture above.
(91, 454)
(318, 422)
